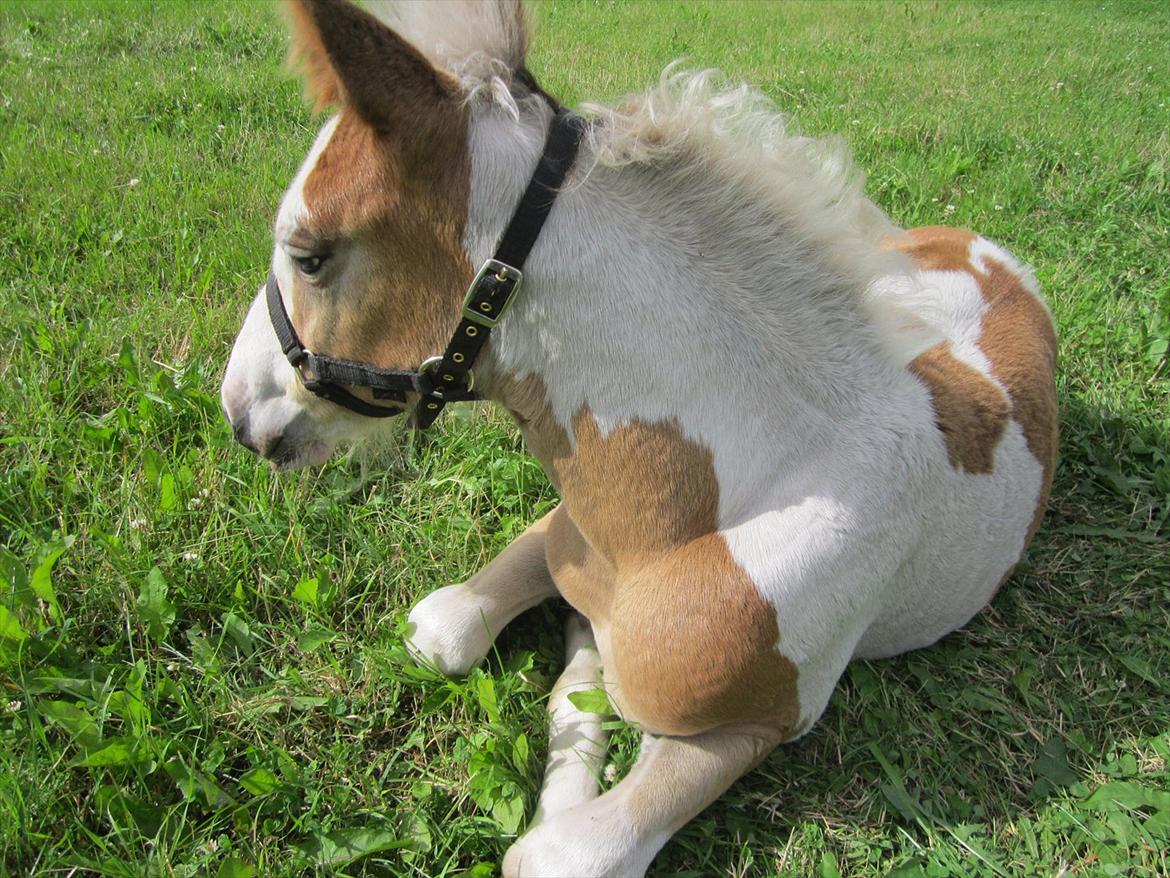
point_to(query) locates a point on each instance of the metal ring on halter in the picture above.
(431, 362)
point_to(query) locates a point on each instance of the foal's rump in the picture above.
(990, 383)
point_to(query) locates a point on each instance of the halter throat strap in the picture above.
(448, 377)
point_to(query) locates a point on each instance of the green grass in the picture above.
(201, 663)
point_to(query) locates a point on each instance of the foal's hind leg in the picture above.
(454, 627)
(576, 740)
(619, 833)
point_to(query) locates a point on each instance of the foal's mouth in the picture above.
(286, 455)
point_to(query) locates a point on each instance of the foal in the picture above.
(786, 433)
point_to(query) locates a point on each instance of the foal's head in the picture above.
(369, 248)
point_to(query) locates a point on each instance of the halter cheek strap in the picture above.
(327, 376)
(495, 286)
(448, 377)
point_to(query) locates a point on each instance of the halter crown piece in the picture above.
(448, 377)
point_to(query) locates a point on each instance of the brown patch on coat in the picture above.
(694, 645)
(1020, 341)
(388, 195)
(937, 248)
(635, 547)
(969, 411)
(1016, 336)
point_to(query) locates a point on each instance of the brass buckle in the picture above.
(502, 271)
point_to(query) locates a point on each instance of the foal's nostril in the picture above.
(240, 430)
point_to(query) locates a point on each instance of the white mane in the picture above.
(738, 136)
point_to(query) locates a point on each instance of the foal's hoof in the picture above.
(584, 842)
(447, 629)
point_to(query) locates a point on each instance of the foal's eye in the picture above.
(309, 265)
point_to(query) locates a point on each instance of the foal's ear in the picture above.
(351, 58)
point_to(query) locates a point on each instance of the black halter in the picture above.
(446, 378)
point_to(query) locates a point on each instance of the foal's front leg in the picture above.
(454, 627)
(576, 739)
(617, 835)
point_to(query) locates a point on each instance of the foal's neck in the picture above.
(653, 293)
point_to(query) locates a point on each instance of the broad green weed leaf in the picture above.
(306, 592)
(191, 782)
(508, 813)
(520, 753)
(309, 640)
(13, 576)
(348, 845)
(1052, 767)
(234, 867)
(151, 465)
(167, 496)
(416, 834)
(1156, 352)
(910, 869)
(485, 690)
(127, 359)
(129, 704)
(1129, 795)
(128, 810)
(239, 633)
(155, 610)
(74, 720)
(260, 781)
(591, 701)
(1139, 666)
(1159, 825)
(895, 791)
(116, 751)
(10, 627)
(903, 802)
(307, 702)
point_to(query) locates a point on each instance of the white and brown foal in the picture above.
(786, 433)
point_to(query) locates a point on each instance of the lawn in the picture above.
(201, 662)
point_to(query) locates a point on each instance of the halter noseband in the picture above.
(446, 378)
